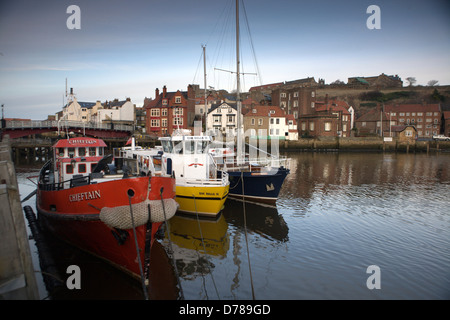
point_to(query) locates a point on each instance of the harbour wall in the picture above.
(363, 144)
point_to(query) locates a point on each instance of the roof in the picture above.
(79, 142)
(266, 86)
(265, 111)
(157, 102)
(217, 105)
(412, 108)
(333, 105)
(401, 128)
(446, 114)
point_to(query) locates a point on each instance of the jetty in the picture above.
(17, 277)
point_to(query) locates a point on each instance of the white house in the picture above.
(80, 111)
(222, 117)
(117, 112)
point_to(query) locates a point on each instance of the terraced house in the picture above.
(426, 118)
(167, 112)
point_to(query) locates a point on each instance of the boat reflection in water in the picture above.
(263, 220)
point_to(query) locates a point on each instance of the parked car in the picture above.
(441, 137)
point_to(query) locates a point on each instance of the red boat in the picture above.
(111, 215)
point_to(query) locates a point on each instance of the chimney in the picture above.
(156, 93)
(164, 91)
(71, 91)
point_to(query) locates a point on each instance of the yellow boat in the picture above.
(204, 200)
(200, 187)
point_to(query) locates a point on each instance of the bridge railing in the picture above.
(14, 124)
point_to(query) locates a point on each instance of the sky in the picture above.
(127, 49)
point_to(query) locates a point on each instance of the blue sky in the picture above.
(129, 48)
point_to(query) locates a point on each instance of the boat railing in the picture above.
(220, 181)
(232, 164)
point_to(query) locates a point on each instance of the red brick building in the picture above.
(329, 118)
(168, 111)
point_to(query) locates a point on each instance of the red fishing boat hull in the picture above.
(73, 215)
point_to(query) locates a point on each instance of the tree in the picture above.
(411, 81)
(432, 83)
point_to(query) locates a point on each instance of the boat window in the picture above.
(100, 151)
(82, 168)
(189, 147)
(93, 165)
(201, 146)
(167, 146)
(69, 169)
(60, 152)
(92, 151)
(81, 152)
(178, 147)
(71, 152)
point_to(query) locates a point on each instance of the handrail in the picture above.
(16, 124)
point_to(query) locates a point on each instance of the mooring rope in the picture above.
(203, 244)
(170, 244)
(246, 237)
(130, 194)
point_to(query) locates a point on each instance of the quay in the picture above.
(17, 277)
(363, 144)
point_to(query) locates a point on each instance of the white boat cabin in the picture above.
(188, 157)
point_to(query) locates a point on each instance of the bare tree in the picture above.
(411, 81)
(432, 83)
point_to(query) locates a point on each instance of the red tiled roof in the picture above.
(263, 111)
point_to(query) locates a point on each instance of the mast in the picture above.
(204, 68)
(238, 89)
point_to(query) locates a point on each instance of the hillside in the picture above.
(363, 100)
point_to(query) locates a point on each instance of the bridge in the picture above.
(16, 129)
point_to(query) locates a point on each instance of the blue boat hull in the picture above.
(257, 187)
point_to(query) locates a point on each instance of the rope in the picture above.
(130, 194)
(246, 237)
(170, 246)
(203, 244)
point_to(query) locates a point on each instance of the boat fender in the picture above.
(119, 217)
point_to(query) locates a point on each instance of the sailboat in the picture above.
(252, 179)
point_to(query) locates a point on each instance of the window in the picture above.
(296, 94)
(327, 126)
(230, 118)
(312, 104)
(60, 152)
(260, 122)
(402, 114)
(71, 152)
(154, 123)
(82, 168)
(277, 132)
(69, 169)
(164, 112)
(271, 120)
(178, 121)
(420, 114)
(311, 126)
(177, 99)
(435, 121)
(295, 103)
(313, 94)
(277, 121)
(189, 147)
(92, 151)
(429, 114)
(164, 102)
(81, 152)
(363, 124)
(93, 165)
(303, 126)
(283, 95)
(100, 151)
(253, 121)
(154, 112)
(419, 120)
(178, 111)
(164, 122)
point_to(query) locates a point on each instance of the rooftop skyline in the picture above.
(128, 49)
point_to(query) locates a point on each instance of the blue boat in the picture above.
(256, 186)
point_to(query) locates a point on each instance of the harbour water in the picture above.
(337, 214)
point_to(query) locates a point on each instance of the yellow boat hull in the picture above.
(202, 200)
